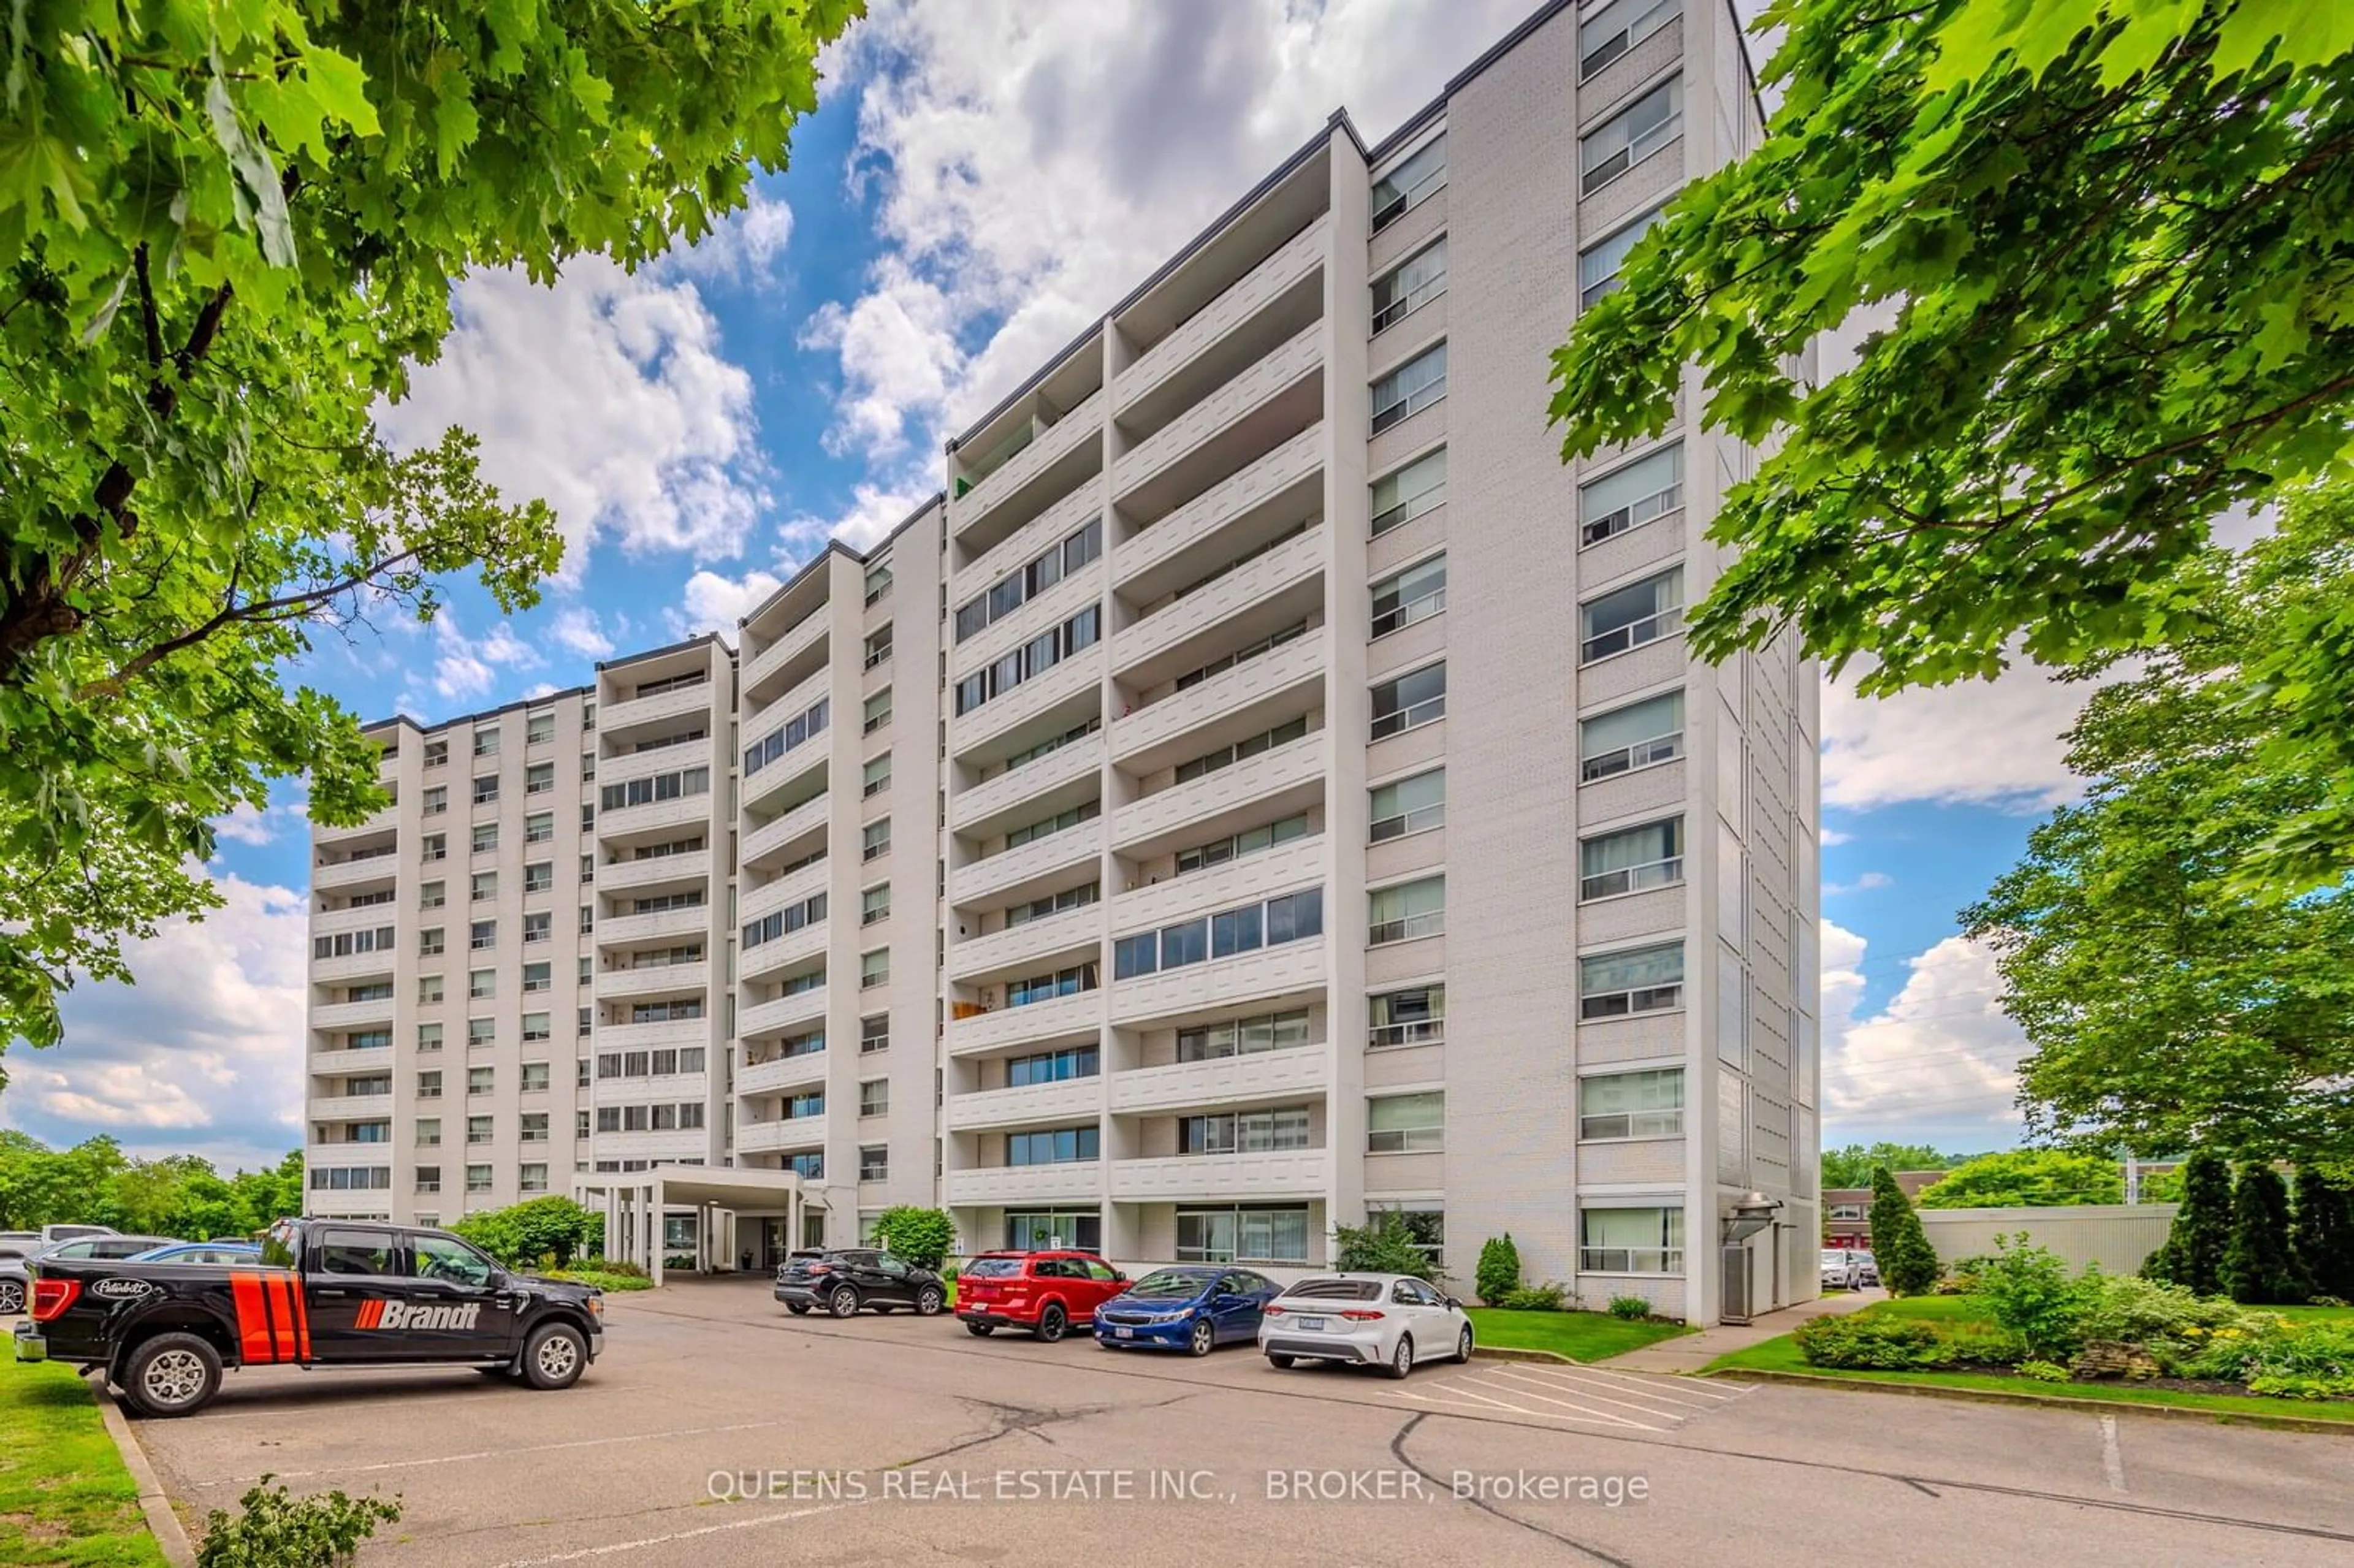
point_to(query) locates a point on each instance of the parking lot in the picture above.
(716, 1431)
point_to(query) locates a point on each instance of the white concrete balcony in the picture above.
(1299, 356)
(1277, 672)
(1269, 975)
(1000, 796)
(691, 811)
(355, 966)
(1286, 1076)
(671, 758)
(1295, 260)
(1287, 567)
(782, 1014)
(654, 979)
(318, 1154)
(1031, 619)
(1019, 947)
(355, 872)
(1078, 675)
(626, 930)
(367, 917)
(788, 777)
(1022, 546)
(787, 953)
(1065, 1101)
(691, 1143)
(1075, 1017)
(1299, 863)
(800, 1132)
(784, 1073)
(1077, 1181)
(753, 902)
(342, 1015)
(1296, 766)
(661, 706)
(1082, 423)
(346, 1063)
(1294, 1173)
(783, 838)
(663, 1034)
(1180, 532)
(787, 706)
(998, 878)
(351, 1108)
(378, 821)
(786, 649)
(654, 871)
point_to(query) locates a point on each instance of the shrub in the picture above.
(920, 1237)
(2258, 1267)
(1549, 1296)
(1981, 1345)
(2138, 1311)
(1908, 1264)
(1385, 1243)
(1867, 1342)
(2045, 1371)
(2290, 1385)
(538, 1232)
(275, 1529)
(2323, 1238)
(2027, 1290)
(2193, 1256)
(604, 1280)
(1630, 1308)
(1498, 1274)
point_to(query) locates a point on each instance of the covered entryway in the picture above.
(736, 1210)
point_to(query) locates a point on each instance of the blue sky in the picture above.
(981, 180)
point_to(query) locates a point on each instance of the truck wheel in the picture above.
(172, 1374)
(554, 1356)
(844, 1302)
(12, 1297)
(928, 1301)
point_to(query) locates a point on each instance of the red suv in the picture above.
(1047, 1293)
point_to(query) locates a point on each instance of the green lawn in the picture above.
(1781, 1355)
(1580, 1336)
(65, 1497)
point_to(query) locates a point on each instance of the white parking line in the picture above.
(1706, 1388)
(1564, 1378)
(502, 1453)
(1567, 1404)
(1520, 1379)
(1575, 1392)
(613, 1547)
(1488, 1406)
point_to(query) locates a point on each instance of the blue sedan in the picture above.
(1186, 1308)
(227, 1253)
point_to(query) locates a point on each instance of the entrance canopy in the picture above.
(634, 1205)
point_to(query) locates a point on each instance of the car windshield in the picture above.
(1337, 1289)
(1863, 1257)
(1831, 1257)
(1169, 1284)
(993, 1268)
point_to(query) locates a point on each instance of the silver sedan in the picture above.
(1390, 1321)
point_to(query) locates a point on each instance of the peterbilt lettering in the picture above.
(415, 1315)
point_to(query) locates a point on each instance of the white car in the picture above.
(1388, 1321)
(1839, 1269)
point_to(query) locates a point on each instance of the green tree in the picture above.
(1499, 1271)
(1385, 1243)
(551, 1230)
(2193, 1256)
(2026, 1178)
(2322, 1237)
(226, 234)
(1852, 1164)
(2109, 237)
(1908, 1264)
(2259, 1269)
(921, 1235)
(2168, 1005)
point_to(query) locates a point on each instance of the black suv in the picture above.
(844, 1279)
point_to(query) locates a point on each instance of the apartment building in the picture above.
(1267, 786)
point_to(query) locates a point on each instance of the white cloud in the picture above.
(711, 602)
(744, 246)
(246, 825)
(205, 1056)
(608, 394)
(1830, 837)
(467, 669)
(576, 630)
(1869, 881)
(1939, 1058)
(1995, 743)
(1034, 163)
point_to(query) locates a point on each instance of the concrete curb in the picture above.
(2042, 1401)
(1502, 1354)
(162, 1522)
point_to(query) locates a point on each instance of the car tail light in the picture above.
(52, 1296)
(820, 1269)
(1361, 1314)
(1274, 1309)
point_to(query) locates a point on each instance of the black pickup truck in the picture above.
(328, 1293)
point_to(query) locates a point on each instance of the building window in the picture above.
(878, 645)
(1039, 1230)
(429, 941)
(1409, 805)
(1295, 916)
(1054, 1145)
(1061, 902)
(1407, 186)
(1245, 1132)
(481, 1032)
(1413, 594)
(1631, 616)
(1227, 756)
(486, 789)
(539, 877)
(1597, 270)
(478, 1178)
(1651, 486)
(1027, 581)
(794, 917)
(1631, 1240)
(435, 847)
(875, 1033)
(873, 968)
(1633, 134)
(486, 837)
(428, 1087)
(1633, 981)
(877, 712)
(1633, 737)
(875, 1097)
(790, 735)
(429, 988)
(1253, 1234)
(1035, 989)
(1406, 1124)
(588, 765)
(878, 583)
(534, 1029)
(1218, 851)
(1631, 860)
(538, 728)
(480, 1081)
(486, 742)
(1410, 285)
(1632, 1104)
(1410, 388)
(1408, 911)
(429, 1036)
(485, 886)
(1413, 699)
(481, 983)
(1401, 497)
(809, 1166)
(536, 977)
(1053, 1066)
(676, 786)
(437, 753)
(874, 1165)
(1239, 1037)
(436, 801)
(432, 896)
(1414, 1016)
(1032, 660)
(874, 904)
(875, 776)
(539, 778)
(483, 936)
(1618, 27)
(875, 841)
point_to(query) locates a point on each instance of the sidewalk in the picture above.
(1691, 1353)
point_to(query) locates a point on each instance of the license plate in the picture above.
(1311, 1324)
(1123, 1333)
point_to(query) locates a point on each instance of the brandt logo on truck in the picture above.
(406, 1315)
